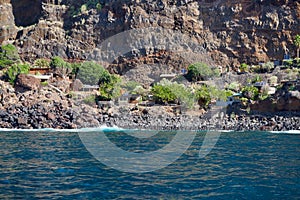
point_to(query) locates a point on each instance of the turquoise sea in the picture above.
(49, 164)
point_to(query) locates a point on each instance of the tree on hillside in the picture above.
(200, 71)
(297, 44)
(90, 73)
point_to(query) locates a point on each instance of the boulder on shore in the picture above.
(26, 82)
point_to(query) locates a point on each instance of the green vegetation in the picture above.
(8, 56)
(273, 80)
(130, 86)
(244, 67)
(200, 71)
(45, 83)
(288, 63)
(234, 86)
(292, 74)
(91, 73)
(172, 92)
(110, 86)
(163, 94)
(203, 96)
(90, 100)
(250, 92)
(256, 79)
(41, 63)
(297, 44)
(60, 67)
(16, 69)
(89, 4)
(263, 93)
(267, 67)
(83, 8)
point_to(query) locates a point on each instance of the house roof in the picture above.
(42, 77)
(90, 86)
(167, 75)
(260, 84)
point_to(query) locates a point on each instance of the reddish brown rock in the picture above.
(51, 116)
(283, 103)
(232, 32)
(76, 85)
(27, 82)
(22, 121)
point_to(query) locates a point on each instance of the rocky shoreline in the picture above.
(59, 117)
(218, 121)
(46, 107)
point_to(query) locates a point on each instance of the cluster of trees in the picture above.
(172, 92)
(111, 85)
(262, 68)
(89, 73)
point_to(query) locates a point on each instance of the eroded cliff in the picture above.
(232, 32)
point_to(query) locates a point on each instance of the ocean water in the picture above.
(242, 165)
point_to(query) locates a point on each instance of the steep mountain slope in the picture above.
(232, 32)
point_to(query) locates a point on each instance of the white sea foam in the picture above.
(115, 129)
(296, 132)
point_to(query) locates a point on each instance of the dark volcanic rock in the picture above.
(231, 31)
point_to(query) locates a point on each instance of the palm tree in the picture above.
(297, 44)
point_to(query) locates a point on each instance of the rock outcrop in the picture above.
(288, 102)
(232, 32)
(26, 82)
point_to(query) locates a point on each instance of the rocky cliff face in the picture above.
(232, 32)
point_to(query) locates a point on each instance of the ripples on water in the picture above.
(49, 165)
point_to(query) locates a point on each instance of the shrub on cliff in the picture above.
(297, 44)
(171, 92)
(200, 71)
(16, 69)
(250, 92)
(203, 96)
(163, 94)
(8, 56)
(234, 86)
(90, 73)
(110, 87)
(60, 67)
(267, 67)
(41, 63)
(244, 68)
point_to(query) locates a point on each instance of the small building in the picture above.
(127, 98)
(43, 78)
(168, 76)
(271, 91)
(89, 88)
(260, 84)
(36, 71)
(123, 99)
